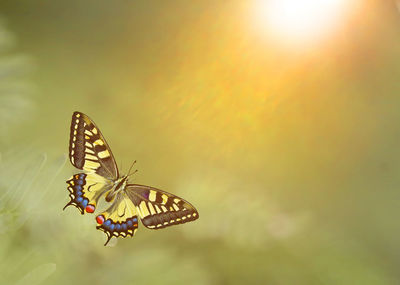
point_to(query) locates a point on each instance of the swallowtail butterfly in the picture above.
(89, 151)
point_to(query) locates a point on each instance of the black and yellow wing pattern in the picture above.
(85, 191)
(120, 219)
(89, 151)
(159, 209)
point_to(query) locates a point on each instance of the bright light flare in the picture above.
(300, 20)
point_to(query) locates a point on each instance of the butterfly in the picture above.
(89, 151)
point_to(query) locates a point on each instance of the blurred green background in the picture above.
(288, 149)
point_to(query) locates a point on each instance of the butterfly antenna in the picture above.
(133, 172)
(130, 168)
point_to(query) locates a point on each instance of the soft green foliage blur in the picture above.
(291, 157)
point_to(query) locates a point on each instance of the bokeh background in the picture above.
(278, 120)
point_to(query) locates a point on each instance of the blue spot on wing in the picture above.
(111, 227)
(124, 227)
(85, 203)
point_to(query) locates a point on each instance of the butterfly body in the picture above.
(119, 186)
(89, 151)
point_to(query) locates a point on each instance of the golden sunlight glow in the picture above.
(299, 20)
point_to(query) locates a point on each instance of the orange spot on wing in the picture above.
(90, 208)
(100, 220)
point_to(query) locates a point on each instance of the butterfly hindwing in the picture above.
(159, 209)
(120, 219)
(88, 150)
(85, 191)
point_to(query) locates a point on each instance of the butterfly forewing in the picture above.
(159, 209)
(88, 150)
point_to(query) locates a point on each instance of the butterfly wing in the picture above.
(85, 191)
(159, 209)
(88, 150)
(120, 219)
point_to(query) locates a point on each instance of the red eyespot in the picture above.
(100, 219)
(90, 208)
